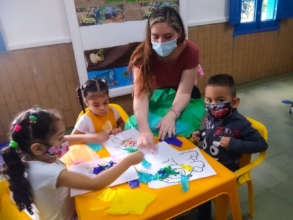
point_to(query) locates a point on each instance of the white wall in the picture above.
(202, 12)
(29, 23)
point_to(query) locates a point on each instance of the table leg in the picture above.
(234, 201)
(222, 207)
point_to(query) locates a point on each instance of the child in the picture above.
(34, 173)
(227, 134)
(99, 117)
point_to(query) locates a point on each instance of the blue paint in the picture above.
(146, 164)
(133, 183)
(184, 183)
(95, 147)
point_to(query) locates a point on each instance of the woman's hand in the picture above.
(146, 140)
(167, 125)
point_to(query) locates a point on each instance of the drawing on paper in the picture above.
(190, 163)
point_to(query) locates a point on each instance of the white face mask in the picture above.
(164, 49)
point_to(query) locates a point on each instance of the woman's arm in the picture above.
(184, 90)
(105, 178)
(141, 109)
(140, 104)
(182, 98)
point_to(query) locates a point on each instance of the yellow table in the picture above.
(172, 201)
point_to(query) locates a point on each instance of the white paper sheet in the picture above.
(168, 156)
(164, 156)
(87, 169)
(116, 143)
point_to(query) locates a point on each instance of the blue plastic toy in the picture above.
(145, 164)
(175, 141)
(95, 147)
(184, 183)
(288, 102)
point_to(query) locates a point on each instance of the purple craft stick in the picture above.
(133, 183)
(98, 169)
(175, 141)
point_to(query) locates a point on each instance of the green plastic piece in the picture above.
(13, 144)
(130, 149)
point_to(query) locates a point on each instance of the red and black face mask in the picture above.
(219, 111)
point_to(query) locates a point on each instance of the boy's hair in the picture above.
(92, 85)
(34, 125)
(225, 80)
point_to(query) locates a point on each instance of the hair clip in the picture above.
(32, 119)
(13, 144)
(98, 85)
(17, 128)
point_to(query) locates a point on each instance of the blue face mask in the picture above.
(165, 48)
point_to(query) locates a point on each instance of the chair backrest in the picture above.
(117, 107)
(246, 158)
(8, 209)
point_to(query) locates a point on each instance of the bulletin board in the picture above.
(104, 34)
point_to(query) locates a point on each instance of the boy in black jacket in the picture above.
(227, 134)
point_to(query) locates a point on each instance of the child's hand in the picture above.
(135, 158)
(116, 130)
(100, 137)
(196, 136)
(225, 141)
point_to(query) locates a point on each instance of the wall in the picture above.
(246, 57)
(43, 76)
(33, 23)
(202, 12)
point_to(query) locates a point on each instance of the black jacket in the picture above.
(244, 139)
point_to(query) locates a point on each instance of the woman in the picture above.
(164, 60)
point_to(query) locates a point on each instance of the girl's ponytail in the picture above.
(80, 98)
(18, 184)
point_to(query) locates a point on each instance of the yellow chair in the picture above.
(8, 209)
(124, 116)
(243, 173)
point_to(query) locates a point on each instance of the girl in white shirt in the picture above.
(99, 118)
(35, 174)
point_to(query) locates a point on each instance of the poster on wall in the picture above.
(111, 64)
(94, 12)
(2, 44)
(115, 77)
